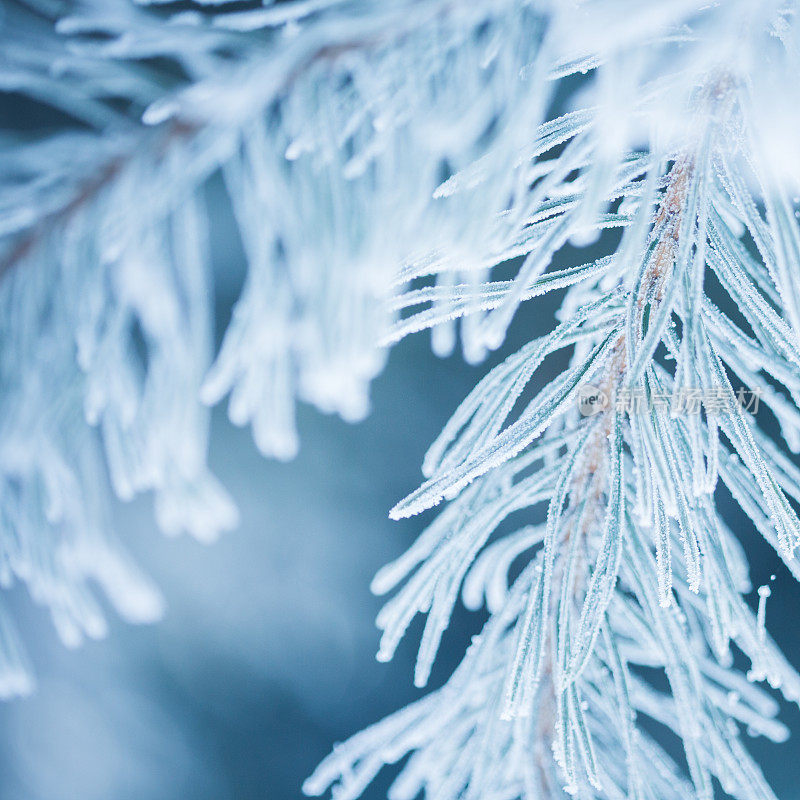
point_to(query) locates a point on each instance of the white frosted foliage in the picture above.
(392, 168)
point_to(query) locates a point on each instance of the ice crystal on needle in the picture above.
(381, 159)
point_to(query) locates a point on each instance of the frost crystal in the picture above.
(381, 159)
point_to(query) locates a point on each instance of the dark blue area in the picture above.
(266, 656)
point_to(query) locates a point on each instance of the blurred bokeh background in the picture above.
(266, 655)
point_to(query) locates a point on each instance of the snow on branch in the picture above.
(381, 160)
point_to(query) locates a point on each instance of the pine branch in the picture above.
(633, 566)
(380, 164)
(106, 285)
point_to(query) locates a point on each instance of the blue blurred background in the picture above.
(266, 655)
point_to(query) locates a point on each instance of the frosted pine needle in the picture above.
(381, 162)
